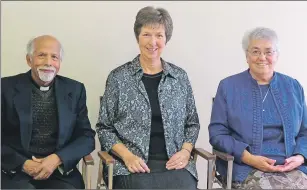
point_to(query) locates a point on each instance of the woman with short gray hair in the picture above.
(260, 117)
(148, 115)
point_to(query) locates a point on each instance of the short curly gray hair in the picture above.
(150, 16)
(260, 33)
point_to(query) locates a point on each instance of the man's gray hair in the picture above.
(260, 33)
(151, 16)
(30, 49)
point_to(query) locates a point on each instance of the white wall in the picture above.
(206, 42)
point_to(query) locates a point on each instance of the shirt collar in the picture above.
(137, 68)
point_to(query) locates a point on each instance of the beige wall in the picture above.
(206, 42)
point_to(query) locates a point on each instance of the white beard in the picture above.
(46, 77)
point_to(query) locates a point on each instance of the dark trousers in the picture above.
(23, 181)
(159, 178)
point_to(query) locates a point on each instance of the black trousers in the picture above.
(159, 178)
(23, 181)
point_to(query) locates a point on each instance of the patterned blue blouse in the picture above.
(125, 112)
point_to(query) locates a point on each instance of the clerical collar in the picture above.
(41, 88)
(44, 88)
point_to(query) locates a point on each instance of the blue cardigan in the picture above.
(236, 119)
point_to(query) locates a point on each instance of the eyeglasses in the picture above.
(257, 53)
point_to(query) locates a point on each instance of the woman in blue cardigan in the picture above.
(260, 117)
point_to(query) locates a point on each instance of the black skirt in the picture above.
(158, 178)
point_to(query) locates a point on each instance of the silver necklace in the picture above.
(264, 95)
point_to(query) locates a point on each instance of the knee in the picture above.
(17, 185)
(27, 186)
(64, 185)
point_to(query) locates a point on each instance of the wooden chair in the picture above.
(87, 164)
(107, 159)
(218, 178)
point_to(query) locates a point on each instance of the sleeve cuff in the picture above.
(107, 146)
(305, 158)
(239, 151)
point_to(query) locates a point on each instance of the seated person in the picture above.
(45, 129)
(259, 116)
(148, 115)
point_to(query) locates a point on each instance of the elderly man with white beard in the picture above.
(45, 128)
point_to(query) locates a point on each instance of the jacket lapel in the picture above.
(22, 101)
(64, 107)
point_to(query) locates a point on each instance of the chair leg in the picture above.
(99, 179)
(88, 177)
(110, 176)
(229, 174)
(210, 174)
(84, 174)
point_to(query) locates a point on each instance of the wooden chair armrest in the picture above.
(203, 153)
(106, 157)
(223, 156)
(88, 160)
